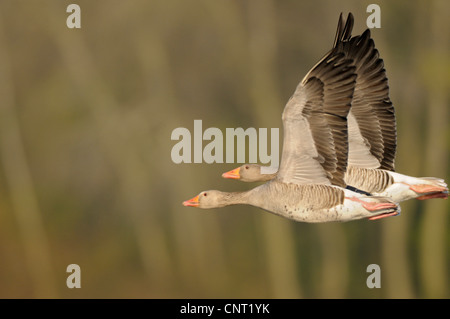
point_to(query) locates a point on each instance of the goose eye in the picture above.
(246, 167)
(205, 194)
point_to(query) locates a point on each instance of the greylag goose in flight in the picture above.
(371, 131)
(309, 185)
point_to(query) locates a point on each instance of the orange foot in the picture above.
(373, 206)
(378, 206)
(443, 195)
(425, 188)
(384, 215)
(429, 191)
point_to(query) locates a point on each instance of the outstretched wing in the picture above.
(315, 124)
(371, 122)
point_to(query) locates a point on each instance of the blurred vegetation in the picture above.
(86, 175)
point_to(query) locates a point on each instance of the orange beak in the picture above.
(193, 202)
(233, 174)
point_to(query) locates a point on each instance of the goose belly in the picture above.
(312, 203)
(347, 211)
(311, 215)
(320, 203)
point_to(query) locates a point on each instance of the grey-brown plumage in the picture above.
(310, 180)
(315, 125)
(369, 180)
(313, 197)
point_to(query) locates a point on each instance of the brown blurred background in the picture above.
(86, 175)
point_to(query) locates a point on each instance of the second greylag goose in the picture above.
(371, 132)
(309, 185)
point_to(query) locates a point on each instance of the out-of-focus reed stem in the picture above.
(114, 138)
(434, 248)
(20, 184)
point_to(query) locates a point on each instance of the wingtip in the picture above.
(366, 33)
(348, 28)
(338, 30)
(344, 31)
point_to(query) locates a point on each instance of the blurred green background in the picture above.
(86, 175)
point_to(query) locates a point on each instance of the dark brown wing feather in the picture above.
(371, 105)
(315, 124)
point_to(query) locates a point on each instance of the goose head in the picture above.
(207, 199)
(246, 173)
